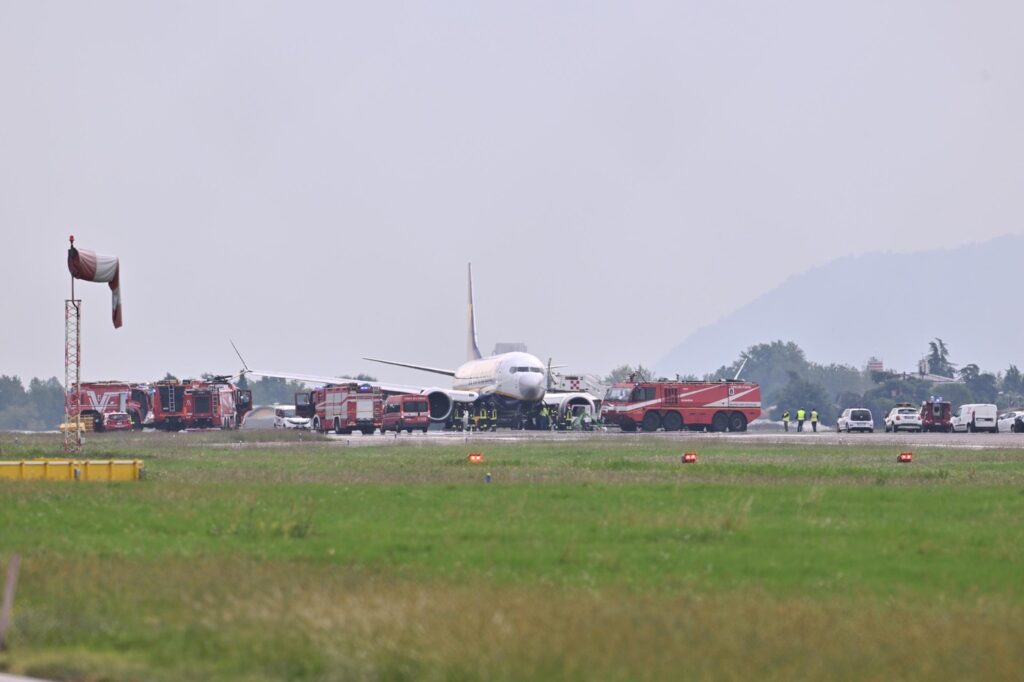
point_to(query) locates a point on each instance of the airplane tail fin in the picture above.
(472, 349)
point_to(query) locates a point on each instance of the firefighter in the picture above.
(801, 415)
(814, 419)
(785, 420)
(494, 417)
(544, 416)
(456, 418)
(478, 413)
(465, 418)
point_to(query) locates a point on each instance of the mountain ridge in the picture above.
(852, 308)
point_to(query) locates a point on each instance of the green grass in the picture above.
(239, 559)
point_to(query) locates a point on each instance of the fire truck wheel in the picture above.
(652, 420)
(424, 429)
(720, 422)
(337, 427)
(627, 426)
(316, 425)
(672, 421)
(737, 422)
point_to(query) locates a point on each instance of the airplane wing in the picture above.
(386, 387)
(435, 370)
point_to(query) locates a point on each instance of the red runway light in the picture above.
(905, 457)
(475, 457)
(689, 457)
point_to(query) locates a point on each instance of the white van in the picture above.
(975, 417)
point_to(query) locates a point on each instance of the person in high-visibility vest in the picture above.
(494, 418)
(456, 418)
(785, 420)
(477, 416)
(801, 414)
(814, 419)
(544, 414)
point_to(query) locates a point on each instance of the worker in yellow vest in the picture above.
(801, 415)
(814, 419)
(785, 420)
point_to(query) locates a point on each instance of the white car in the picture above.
(284, 418)
(903, 418)
(975, 417)
(855, 419)
(1008, 421)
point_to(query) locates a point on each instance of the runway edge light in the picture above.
(905, 457)
(475, 457)
(689, 458)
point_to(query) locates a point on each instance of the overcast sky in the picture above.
(310, 179)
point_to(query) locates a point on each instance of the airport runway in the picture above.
(980, 441)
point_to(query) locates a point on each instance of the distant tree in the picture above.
(938, 358)
(1012, 380)
(982, 385)
(624, 372)
(47, 398)
(799, 392)
(359, 377)
(169, 377)
(11, 391)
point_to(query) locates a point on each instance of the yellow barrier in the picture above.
(73, 470)
(111, 470)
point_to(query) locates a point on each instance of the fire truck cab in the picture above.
(675, 405)
(344, 408)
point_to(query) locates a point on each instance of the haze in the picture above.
(310, 179)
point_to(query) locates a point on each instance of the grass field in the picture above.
(598, 559)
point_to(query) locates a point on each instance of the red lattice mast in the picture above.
(72, 371)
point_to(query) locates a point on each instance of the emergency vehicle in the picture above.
(407, 412)
(98, 399)
(936, 414)
(675, 405)
(344, 408)
(193, 404)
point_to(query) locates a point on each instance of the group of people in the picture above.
(801, 417)
(474, 417)
(484, 417)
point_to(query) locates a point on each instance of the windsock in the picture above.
(95, 267)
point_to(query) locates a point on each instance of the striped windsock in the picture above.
(95, 267)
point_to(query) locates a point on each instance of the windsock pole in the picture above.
(72, 371)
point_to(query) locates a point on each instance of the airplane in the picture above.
(514, 381)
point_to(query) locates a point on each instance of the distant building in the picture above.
(509, 347)
(875, 365)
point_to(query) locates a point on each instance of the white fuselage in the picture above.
(519, 376)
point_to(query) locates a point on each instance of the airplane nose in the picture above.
(531, 386)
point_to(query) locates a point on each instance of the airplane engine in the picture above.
(563, 401)
(440, 405)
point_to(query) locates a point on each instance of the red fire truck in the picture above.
(344, 408)
(936, 414)
(195, 404)
(675, 405)
(99, 398)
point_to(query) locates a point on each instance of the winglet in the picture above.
(472, 349)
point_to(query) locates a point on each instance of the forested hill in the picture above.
(881, 304)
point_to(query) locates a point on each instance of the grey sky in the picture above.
(619, 174)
